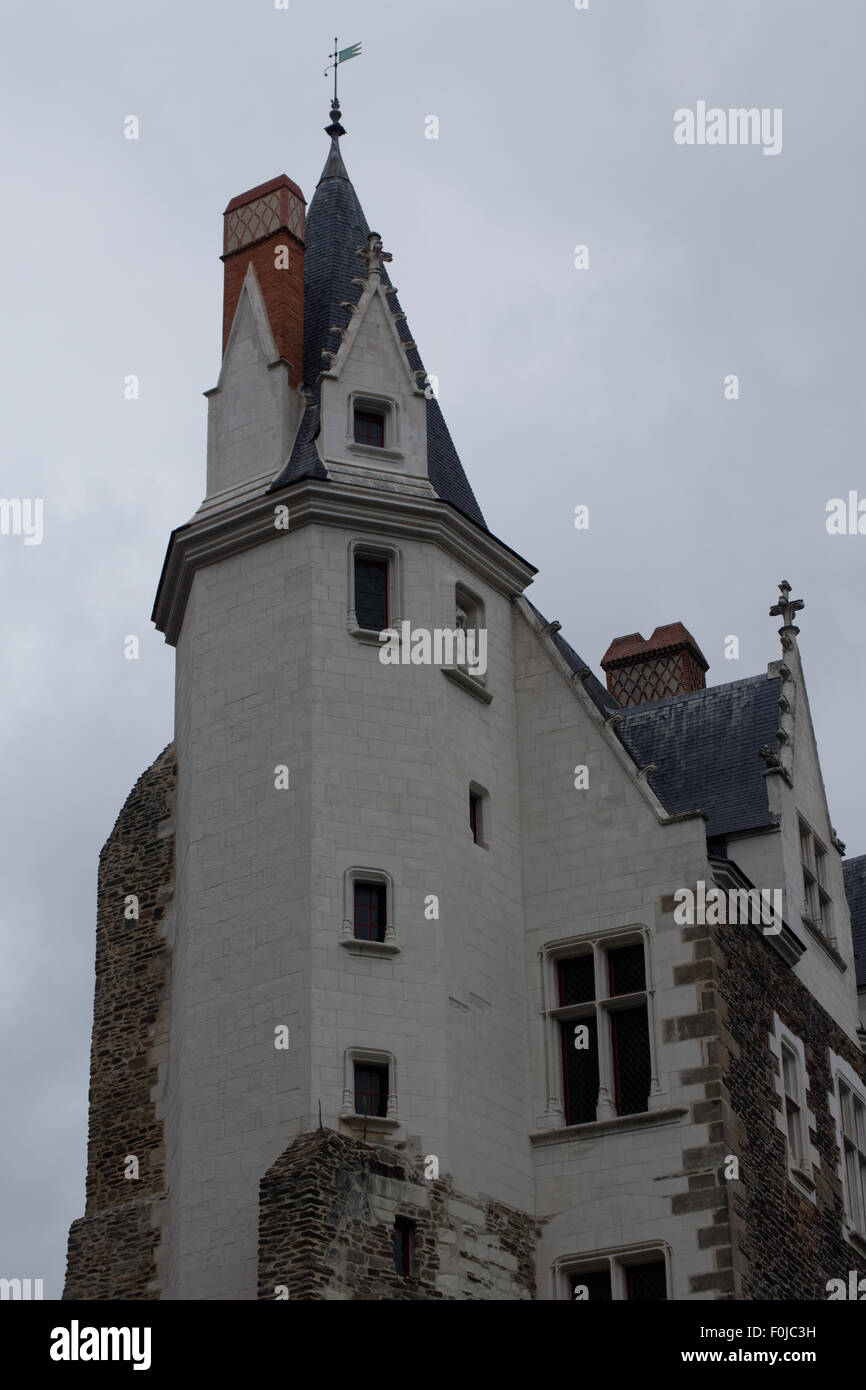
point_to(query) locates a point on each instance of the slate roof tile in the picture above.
(706, 747)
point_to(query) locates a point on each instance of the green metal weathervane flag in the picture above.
(341, 55)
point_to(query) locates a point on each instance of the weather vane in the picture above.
(341, 55)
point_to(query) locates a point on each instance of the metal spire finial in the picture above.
(339, 55)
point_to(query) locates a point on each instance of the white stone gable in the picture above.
(370, 369)
(253, 412)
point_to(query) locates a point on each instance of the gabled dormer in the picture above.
(374, 409)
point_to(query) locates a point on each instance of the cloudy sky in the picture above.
(602, 387)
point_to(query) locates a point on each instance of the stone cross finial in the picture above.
(373, 254)
(787, 607)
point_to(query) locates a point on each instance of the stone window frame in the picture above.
(374, 548)
(801, 1167)
(617, 1259)
(813, 868)
(599, 943)
(376, 1125)
(385, 406)
(357, 873)
(840, 1070)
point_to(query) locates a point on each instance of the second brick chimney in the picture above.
(668, 663)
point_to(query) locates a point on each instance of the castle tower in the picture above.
(314, 782)
(405, 984)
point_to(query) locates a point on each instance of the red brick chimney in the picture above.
(266, 226)
(669, 663)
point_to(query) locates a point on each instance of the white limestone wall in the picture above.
(395, 749)
(614, 1192)
(835, 989)
(242, 908)
(596, 860)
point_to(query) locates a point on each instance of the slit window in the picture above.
(404, 1247)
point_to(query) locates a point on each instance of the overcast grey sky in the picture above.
(602, 386)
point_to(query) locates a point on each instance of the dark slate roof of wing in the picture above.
(706, 747)
(336, 228)
(854, 873)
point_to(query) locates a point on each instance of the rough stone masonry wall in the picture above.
(785, 1246)
(111, 1249)
(326, 1223)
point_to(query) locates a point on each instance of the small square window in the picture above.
(576, 979)
(626, 970)
(370, 911)
(404, 1247)
(646, 1281)
(371, 1090)
(591, 1286)
(369, 427)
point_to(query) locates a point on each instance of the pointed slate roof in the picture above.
(336, 228)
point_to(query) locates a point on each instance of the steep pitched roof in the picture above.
(854, 873)
(706, 747)
(336, 228)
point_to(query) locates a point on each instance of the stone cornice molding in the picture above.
(205, 541)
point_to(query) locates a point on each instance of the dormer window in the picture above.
(369, 427)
